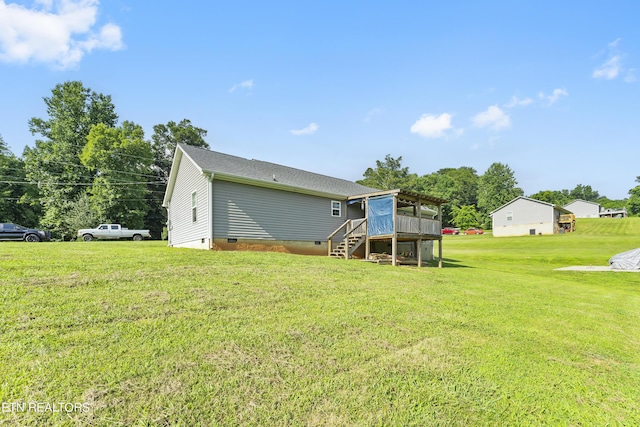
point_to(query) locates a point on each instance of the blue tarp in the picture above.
(380, 216)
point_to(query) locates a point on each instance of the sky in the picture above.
(549, 88)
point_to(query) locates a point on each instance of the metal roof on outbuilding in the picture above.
(560, 208)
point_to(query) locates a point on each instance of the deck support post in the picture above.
(440, 239)
(367, 248)
(419, 248)
(394, 239)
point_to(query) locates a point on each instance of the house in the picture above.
(586, 209)
(523, 216)
(223, 202)
(613, 213)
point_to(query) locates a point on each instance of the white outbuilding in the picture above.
(523, 216)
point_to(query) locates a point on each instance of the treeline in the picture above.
(473, 197)
(86, 168)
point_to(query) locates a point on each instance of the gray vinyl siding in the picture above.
(524, 212)
(355, 211)
(248, 212)
(583, 209)
(183, 229)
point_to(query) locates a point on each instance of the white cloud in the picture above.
(493, 118)
(614, 66)
(433, 126)
(247, 85)
(609, 70)
(55, 32)
(517, 102)
(554, 97)
(311, 129)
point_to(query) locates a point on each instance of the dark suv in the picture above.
(9, 231)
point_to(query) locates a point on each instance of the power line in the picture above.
(117, 200)
(82, 146)
(81, 183)
(105, 170)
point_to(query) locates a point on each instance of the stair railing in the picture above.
(353, 227)
(358, 228)
(330, 238)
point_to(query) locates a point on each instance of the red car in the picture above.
(473, 230)
(450, 230)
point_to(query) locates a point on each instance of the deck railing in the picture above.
(414, 225)
(357, 227)
(404, 224)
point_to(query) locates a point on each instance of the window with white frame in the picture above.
(336, 208)
(194, 207)
(509, 216)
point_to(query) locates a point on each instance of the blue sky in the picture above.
(550, 88)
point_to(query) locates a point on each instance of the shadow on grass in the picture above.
(448, 263)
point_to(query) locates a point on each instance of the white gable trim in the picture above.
(175, 165)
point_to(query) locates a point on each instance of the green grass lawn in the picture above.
(144, 335)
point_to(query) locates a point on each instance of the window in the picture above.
(509, 216)
(194, 207)
(114, 227)
(336, 208)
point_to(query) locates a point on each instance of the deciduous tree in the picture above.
(633, 203)
(15, 203)
(555, 197)
(119, 159)
(497, 187)
(387, 175)
(465, 216)
(584, 192)
(53, 163)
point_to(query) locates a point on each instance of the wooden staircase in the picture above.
(346, 248)
(355, 232)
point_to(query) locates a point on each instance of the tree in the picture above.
(497, 187)
(387, 175)
(54, 163)
(120, 161)
(465, 187)
(633, 203)
(80, 214)
(607, 203)
(16, 194)
(465, 217)
(458, 186)
(584, 192)
(164, 140)
(555, 197)
(437, 185)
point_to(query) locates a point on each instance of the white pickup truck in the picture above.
(112, 232)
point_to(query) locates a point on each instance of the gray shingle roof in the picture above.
(271, 173)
